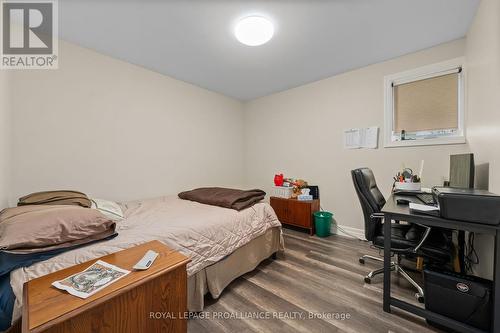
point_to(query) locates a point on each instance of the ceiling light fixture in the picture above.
(254, 30)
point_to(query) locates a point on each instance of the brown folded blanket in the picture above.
(224, 197)
(40, 228)
(56, 198)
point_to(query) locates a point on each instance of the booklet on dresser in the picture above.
(96, 277)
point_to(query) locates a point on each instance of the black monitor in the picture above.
(462, 171)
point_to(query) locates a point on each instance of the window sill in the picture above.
(426, 142)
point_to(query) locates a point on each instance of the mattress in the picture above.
(204, 233)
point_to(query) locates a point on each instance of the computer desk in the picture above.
(394, 212)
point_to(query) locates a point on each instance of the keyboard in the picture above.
(426, 198)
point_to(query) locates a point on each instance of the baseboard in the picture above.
(348, 231)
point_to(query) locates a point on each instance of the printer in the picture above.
(470, 205)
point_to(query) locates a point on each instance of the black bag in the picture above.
(461, 297)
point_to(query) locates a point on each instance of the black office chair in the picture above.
(406, 239)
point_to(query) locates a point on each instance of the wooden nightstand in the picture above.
(124, 306)
(295, 212)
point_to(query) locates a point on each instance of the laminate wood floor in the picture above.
(313, 288)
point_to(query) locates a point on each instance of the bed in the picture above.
(222, 243)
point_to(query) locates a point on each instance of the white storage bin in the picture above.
(282, 192)
(402, 186)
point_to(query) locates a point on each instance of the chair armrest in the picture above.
(377, 216)
(424, 237)
(381, 216)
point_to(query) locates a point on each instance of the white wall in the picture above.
(5, 147)
(118, 131)
(483, 125)
(300, 132)
(483, 62)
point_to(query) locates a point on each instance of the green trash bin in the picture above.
(323, 223)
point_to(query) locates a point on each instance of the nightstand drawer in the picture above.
(300, 215)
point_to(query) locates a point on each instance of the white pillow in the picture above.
(109, 209)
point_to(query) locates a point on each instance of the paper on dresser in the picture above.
(96, 277)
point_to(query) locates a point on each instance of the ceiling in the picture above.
(193, 40)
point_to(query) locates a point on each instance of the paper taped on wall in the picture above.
(361, 138)
(351, 138)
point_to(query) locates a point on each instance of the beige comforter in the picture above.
(204, 233)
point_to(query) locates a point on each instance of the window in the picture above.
(425, 106)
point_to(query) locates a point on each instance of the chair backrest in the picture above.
(370, 198)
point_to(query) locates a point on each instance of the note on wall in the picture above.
(361, 138)
(370, 137)
(352, 138)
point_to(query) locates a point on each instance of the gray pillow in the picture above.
(38, 228)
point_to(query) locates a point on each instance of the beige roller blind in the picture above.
(429, 104)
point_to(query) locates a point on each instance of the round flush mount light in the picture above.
(254, 30)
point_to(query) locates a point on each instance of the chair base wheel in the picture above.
(368, 280)
(361, 261)
(419, 298)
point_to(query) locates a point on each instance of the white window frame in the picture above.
(417, 74)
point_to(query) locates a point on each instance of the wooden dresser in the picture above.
(295, 212)
(154, 300)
